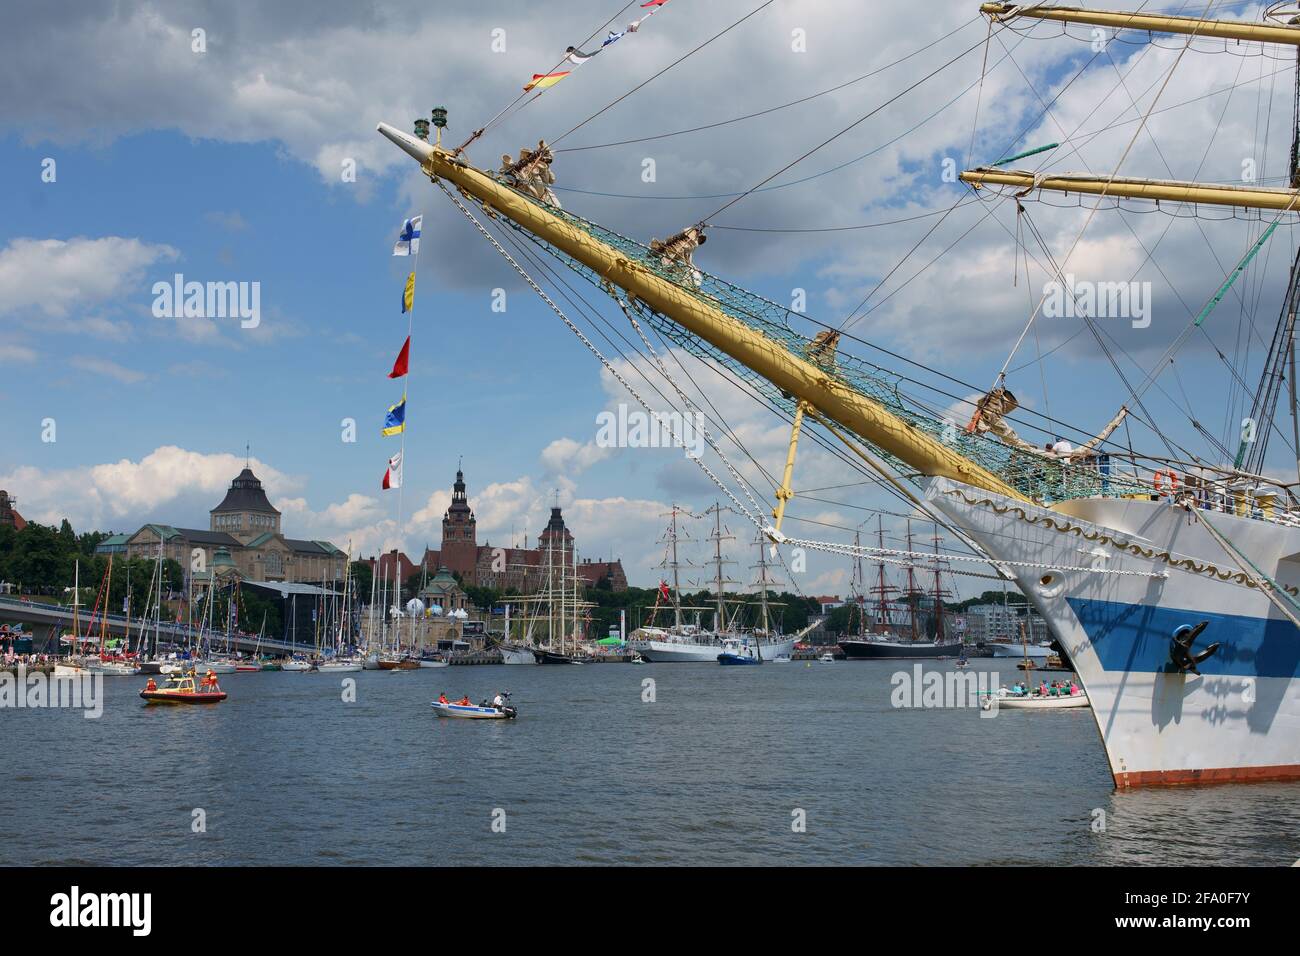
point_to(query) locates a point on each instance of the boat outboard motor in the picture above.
(1180, 648)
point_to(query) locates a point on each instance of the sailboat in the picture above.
(340, 662)
(1172, 583)
(680, 641)
(914, 646)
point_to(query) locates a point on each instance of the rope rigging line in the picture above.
(488, 125)
(774, 109)
(656, 75)
(859, 121)
(1169, 75)
(609, 366)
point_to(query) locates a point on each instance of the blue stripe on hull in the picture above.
(1135, 638)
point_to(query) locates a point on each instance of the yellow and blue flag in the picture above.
(395, 420)
(408, 294)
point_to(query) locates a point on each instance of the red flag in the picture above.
(403, 357)
(663, 589)
(654, 3)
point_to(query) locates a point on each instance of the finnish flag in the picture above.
(408, 242)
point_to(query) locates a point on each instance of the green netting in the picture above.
(1034, 476)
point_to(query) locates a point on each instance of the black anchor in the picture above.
(1180, 648)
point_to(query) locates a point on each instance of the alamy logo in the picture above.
(941, 689)
(179, 299)
(631, 428)
(1100, 300)
(21, 690)
(102, 909)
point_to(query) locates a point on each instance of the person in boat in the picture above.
(442, 698)
(151, 685)
(464, 701)
(498, 701)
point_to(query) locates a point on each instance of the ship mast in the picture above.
(882, 589)
(720, 611)
(1280, 365)
(1211, 194)
(795, 376)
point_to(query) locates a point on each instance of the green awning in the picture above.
(609, 642)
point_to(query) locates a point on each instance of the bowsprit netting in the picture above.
(1038, 477)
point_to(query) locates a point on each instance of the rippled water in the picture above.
(709, 773)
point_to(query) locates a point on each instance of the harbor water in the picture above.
(797, 763)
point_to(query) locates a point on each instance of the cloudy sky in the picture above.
(131, 151)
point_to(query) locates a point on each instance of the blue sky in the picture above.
(224, 167)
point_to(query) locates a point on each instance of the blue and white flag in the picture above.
(408, 242)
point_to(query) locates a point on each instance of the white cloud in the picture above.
(106, 367)
(567, 456)
(171, 485)
(17, 354)
(54, 276)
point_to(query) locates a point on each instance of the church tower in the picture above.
(459, 534)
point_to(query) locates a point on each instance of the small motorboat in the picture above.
(637, 658)
(434, 662)
(248, 667)
(272, 665)
(473, 711)
(738, 652)
(296, 664)
(340, 665)
(1005, 698)
(180, 689)
(827, 658)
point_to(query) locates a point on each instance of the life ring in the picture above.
(1158, 480)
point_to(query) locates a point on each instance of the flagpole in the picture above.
(406, 407)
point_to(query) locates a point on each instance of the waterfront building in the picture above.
(243, 541)
(522, 569)
(8, 514)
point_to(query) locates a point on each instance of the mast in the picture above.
(911, 582)
(103, 620)
(719, 582)
(675, 565)
(1149, 22)
(76, 606)
(859, 583)
(881, 587)
(939, 592)
(794, 375)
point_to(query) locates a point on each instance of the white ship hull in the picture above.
(701, 652)
(517, 655)
(1240, 718)
(1036, 652)
(339, 667)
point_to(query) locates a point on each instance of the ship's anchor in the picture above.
(1180, 648)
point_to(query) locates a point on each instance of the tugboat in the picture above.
(739, 650)
(180, 689)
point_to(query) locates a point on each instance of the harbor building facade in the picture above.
(243, 541)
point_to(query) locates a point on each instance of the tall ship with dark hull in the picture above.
(1170, 578)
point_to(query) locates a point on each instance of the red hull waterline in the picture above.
(153, 697)
(1190, 778)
